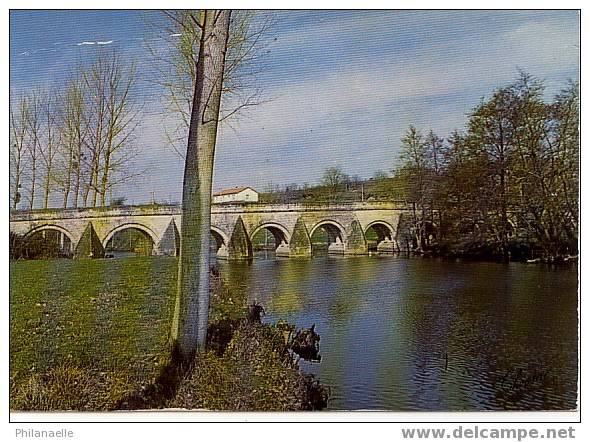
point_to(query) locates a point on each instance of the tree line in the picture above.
(505, 186)
(74, 142)
(509, 183)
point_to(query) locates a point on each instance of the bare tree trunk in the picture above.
(49, 152)
(189, 328)
(18, 134)
(77, 174)
(67, 187)
(34, 128)
(73, 134)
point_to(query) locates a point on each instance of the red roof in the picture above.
(232, 191)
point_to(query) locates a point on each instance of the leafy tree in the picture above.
(415, 176)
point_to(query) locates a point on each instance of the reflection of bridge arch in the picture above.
(279, 232)
(149, 232)
(220, 237)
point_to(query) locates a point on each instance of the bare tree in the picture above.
(435, 151)
(510, 183)
(492, 134)
(33, 145)
(95, 82)
(564, 147)
(176, 64)
(73, 138)
(111, 119)
(189, 327)
(48, 148)
(18, 133)
(415, 155)
(121, 116)
(333, 177)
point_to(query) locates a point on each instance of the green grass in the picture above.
(92, 335)
(111, 315)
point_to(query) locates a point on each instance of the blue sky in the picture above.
(343, 86)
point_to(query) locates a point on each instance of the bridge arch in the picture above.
(331, 227)
(281, 233)
(63, 246)
(50, 227)
(380, 236)
(221, 239)
(149, 233)
(382, 228)
(336, 234)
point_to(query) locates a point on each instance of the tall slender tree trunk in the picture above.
(16, 195)
(33, 176)
(189, 328)
(78, 172)
(107, 167)
(47, 188)
(68, 184)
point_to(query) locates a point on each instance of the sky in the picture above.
(340, 88)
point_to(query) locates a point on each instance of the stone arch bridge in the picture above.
(232, 225)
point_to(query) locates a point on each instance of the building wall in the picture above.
(246, 195)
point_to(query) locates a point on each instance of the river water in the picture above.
(397, 333)
(424, 334)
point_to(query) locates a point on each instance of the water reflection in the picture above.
(414, 334)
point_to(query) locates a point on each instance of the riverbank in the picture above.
(81, 345)
(388, 325)
(479, 250)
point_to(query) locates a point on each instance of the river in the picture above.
(397, 333)
(424, 334)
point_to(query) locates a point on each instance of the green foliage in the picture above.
(119, 201)
(47, 244)
(508, 185)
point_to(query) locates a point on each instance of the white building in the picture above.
(236, 195)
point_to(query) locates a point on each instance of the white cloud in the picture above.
(85, 43)
(355, 113)
(104, 42)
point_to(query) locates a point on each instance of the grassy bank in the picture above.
(87, 340)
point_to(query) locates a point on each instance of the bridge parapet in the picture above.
(157, 209)
(292, 225)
